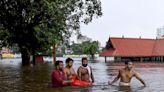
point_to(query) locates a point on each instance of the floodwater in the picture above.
(15, 78)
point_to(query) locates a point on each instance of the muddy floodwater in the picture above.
(15, 78)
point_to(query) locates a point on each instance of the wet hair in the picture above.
(127, 61)
(84, 58)
(68, 60)
(58, 62)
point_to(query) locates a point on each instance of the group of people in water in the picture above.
(66, 76)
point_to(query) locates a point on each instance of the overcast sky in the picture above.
(131, 18)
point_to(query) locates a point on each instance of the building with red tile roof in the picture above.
(135, 49)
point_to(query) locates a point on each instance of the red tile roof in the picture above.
(108, 52)
(158, 49)
(135, 47)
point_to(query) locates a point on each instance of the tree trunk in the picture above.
(54, 54)
(25, 56)
(92, 56)
(33, 59)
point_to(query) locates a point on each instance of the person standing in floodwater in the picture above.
(68, 70)
(84, 72)
(125, 75)
(58, 76)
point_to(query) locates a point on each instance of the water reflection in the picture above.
(15, 78)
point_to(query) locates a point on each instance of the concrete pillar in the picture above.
(105, 59)
(161, 58)
(141, 59)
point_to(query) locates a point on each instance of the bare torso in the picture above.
(126, 75)
(84, 74)
(69, 73)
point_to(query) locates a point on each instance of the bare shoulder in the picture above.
(79, 69)
(135, 72)
(65, 69)
(121, 70)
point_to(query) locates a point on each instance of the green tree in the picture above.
(90, 48)
(76, 48)
(38, 24)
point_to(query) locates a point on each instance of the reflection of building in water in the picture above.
(160, 33)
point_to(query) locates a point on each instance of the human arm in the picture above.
(65, 73)
(139, 78)
(115, 79)
(57, 76)
(92, 77)
(79, 73)
(74, 73)
(67, 81)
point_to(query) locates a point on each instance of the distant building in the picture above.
(6, 50)
(160, 33)
(82, 38)
(6, 53)
(68, 51)
(135, 49)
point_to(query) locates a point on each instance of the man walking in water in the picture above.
(68, 70)
(125, 75)
(85, 72)
(58, 76)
